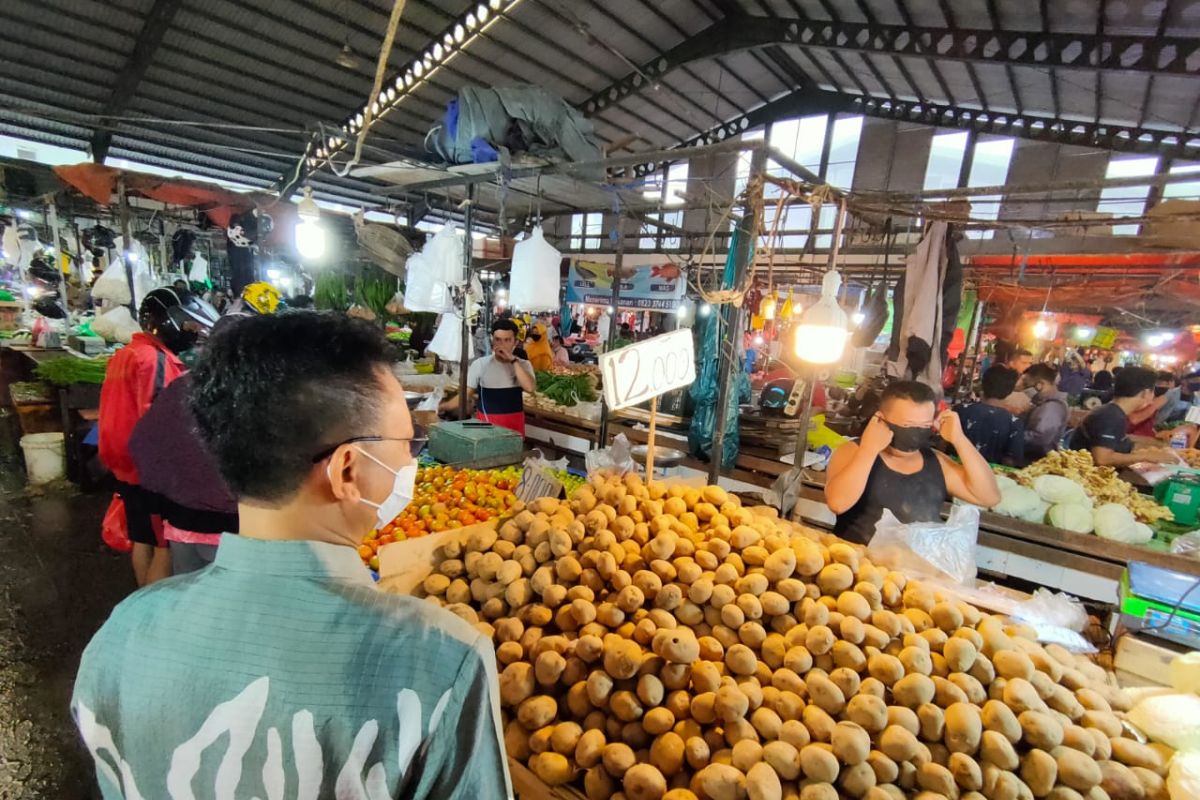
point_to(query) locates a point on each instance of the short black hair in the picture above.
(1165, 377)
(505, 325)
(271, 391)
(1041, 372)
(913, 391)
(1132, 381)
(1020, 352)
(999, 382)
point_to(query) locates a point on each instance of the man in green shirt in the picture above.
(280, 671)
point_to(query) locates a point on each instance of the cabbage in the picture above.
(1070, 517)
(1055, 489)
(1144, 533)
(1016, 501)
(1173, 719)
(1003, 483)
(1115, 521)
(1038, 513)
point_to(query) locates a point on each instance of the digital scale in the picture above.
(1161, 602)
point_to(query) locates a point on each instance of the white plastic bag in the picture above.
(613, 460)
(112, 284)
(116, 325)
(433, 271)
(535, 276)
(931, 550)
(432, 402)
(198, 273)
(1059, 609)
(447, 340)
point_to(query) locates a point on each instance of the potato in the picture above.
(933, 722)
(818, 791)
(819, 723)
(898, 744)
(946, 616)
(1039, 771)
(621, 657)
(825, 693)
(517, 683)
(564, 737)
(1152, 783)
(851, 743)
(766, 722)
(720, 782)
(916, 661)
(1119, 782)
(913, 690)
(762, 783)
(966, 771)
(697, 752)
(1076, 769)
(848, 656)
(731, 704)
(656, 721)
(996, 749)
(537, 712)
(834, 579)
(819, 640)
(1040, 730)
(552, 768)
(964, 728)
(1013, 664)
(1000, 718)
(784, 758)
(959, 653)
(1020, 696)
(935, 778)
(548, 667)
(644, 782)
(904, 717)
(798, 659)
(1104, 721)
(970, 687)
(868, 712)
(819, 764)
(884, 668)
(1134, 754)
(599, 687)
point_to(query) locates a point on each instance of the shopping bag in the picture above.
(115, 529)
(929, 550)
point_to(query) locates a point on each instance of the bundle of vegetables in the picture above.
(669, 644)
(375, 294)
(1064, 504)
(566, 390)
(1099, 484)
(330, 293)
(65, 371)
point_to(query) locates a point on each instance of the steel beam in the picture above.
(158, 22)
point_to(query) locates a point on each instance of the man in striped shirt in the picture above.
(280, 671)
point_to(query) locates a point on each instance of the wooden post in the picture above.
(618, 260)
(56, 250)
(650, 439)
(126, 239)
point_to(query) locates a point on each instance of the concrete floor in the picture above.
(58, 583)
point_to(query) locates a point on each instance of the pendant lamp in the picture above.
(822, 333)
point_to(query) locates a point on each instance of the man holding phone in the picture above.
(496, 382)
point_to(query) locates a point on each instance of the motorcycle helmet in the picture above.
(262, 297)
(179, 319)
(775, 395)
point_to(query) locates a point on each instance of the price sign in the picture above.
(647, 369)
(537, 482)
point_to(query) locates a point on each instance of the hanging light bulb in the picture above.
(705, 309)
(767, 308)
(822, 333)
(1041, 328)
(310, 236)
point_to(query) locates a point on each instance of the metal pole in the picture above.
(733, 320)
(468, 244)
(962, 357)
(811, 377)
(618, 261)
(52, 217)
(126, 251)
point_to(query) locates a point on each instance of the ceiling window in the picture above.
(666, 188)
(1183, 190)
(839, 171)
(946, 153)
(587, 231)
(1127, 201)
(989, 167)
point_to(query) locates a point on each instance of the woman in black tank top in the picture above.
(917, 497)
(918, 481)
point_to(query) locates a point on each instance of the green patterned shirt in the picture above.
(280, 672)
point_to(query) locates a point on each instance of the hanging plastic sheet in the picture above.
(705, 388)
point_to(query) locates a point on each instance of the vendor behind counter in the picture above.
(495, 382)
(1105, 431)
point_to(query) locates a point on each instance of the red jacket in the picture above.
(135, 376)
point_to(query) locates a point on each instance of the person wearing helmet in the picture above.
(258, 299)
(170, 324)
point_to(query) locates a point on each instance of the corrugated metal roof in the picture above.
(271, 64)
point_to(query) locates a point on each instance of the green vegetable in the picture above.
(375, 294)
(1115, 521)
(68, 370)
(1056, 489)
(566, 390)
(1016, 500)
(330, 293)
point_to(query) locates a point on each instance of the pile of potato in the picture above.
(668, 643)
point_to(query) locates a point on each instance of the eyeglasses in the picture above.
(416, 443)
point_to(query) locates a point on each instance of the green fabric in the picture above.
(281, 671)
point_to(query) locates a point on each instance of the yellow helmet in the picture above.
(262, 297)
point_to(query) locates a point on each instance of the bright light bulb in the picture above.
(310, 239)
(1084, 333)
(758, 341)
(1041, 328)
(274, 274)
(132, 256)
(611, 309)
(23, 214)
(705, 309)
(821, 335)
(857, 318)
(681, 311)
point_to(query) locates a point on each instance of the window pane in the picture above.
(1185, 190)
(677, 181)
(669, 240)
(843, 151)
(1121, 201)
(743, 164)
(945, 160)
(649, 237)
(989, 167)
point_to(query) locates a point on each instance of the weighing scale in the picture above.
(1150, 594)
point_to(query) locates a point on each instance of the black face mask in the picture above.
(1159, 391)
(908, 440)
(177, 341)
(535, 337)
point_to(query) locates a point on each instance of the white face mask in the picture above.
(403, 490)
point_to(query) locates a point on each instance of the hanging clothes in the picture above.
(915, 350)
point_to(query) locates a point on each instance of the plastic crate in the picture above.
(467, 441)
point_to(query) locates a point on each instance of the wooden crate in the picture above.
(772, 433)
